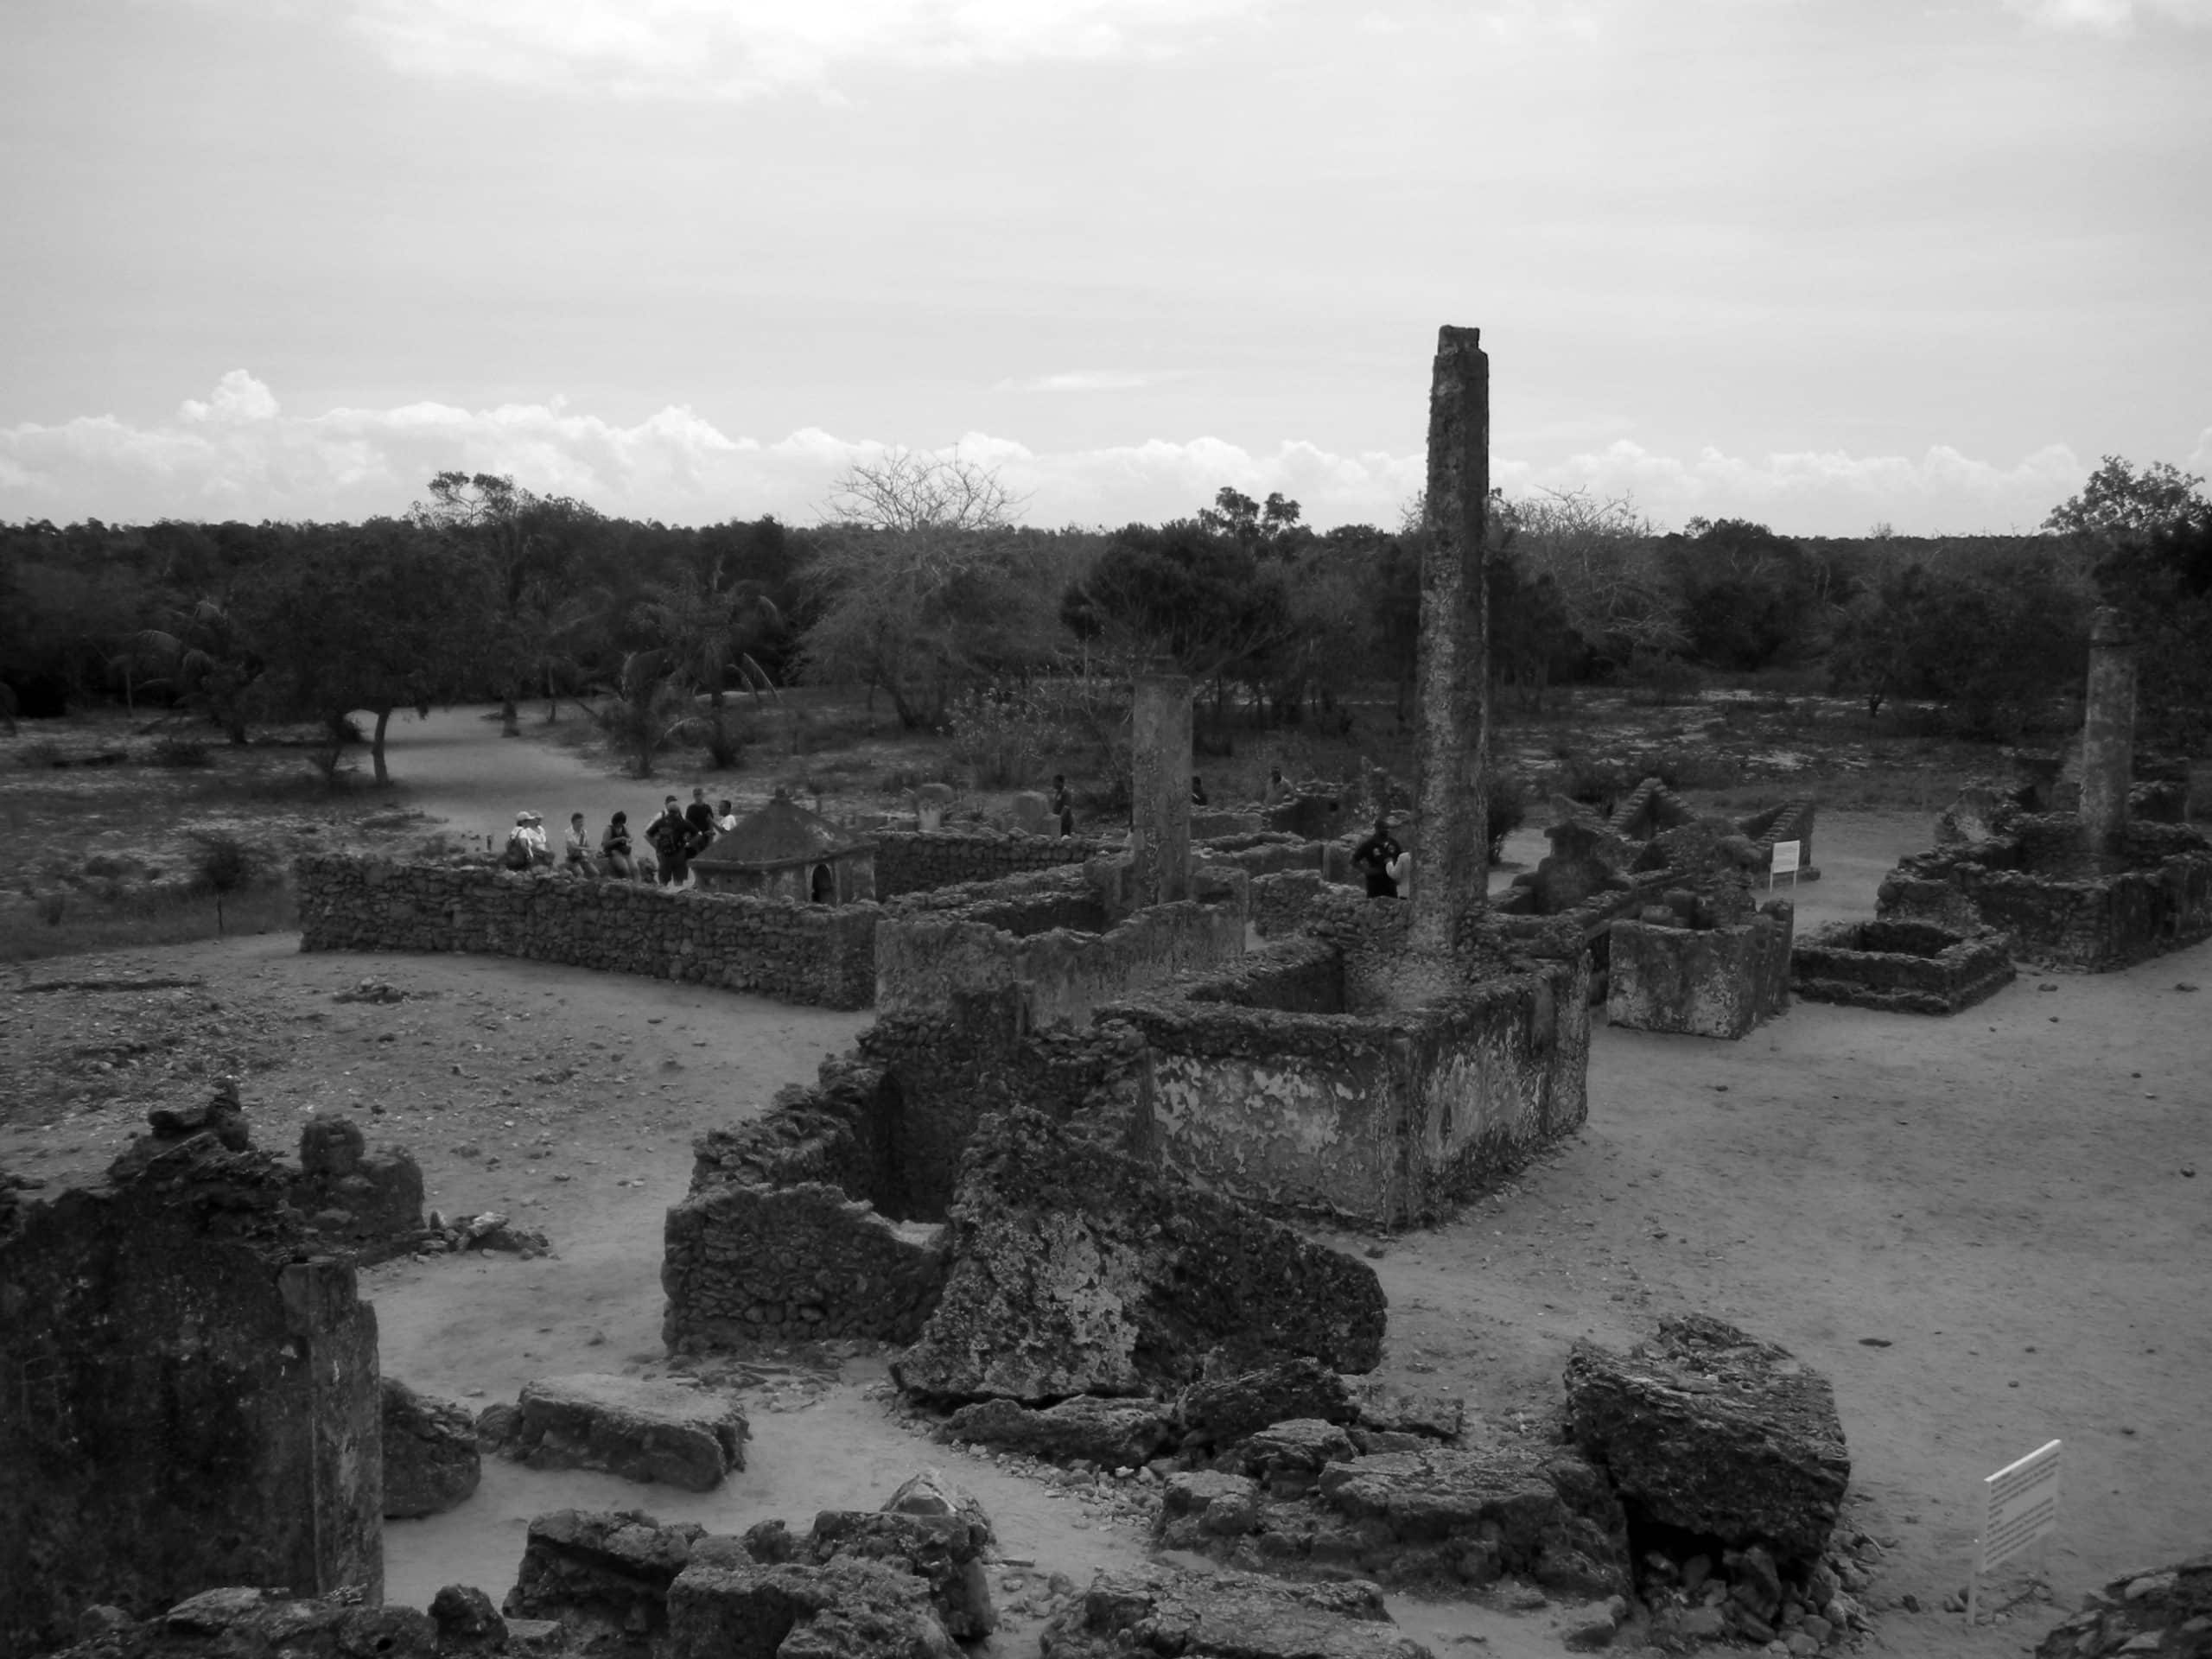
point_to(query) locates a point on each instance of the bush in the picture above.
(718, 734)
(221, 861)
(1001, 732)
(180, 753)
(1668, 680)
(42, 752)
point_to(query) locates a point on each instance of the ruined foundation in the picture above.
(2057, 905)
(1700, 982)
(1900, 967)
(192, 1398)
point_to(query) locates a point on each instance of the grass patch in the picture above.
(67, 923)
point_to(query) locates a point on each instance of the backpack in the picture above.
(518, 853)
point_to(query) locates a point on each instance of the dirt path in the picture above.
(1997, 1200)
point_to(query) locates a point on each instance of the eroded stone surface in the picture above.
(1112, 1433)
(846, 1609)
(2165, 1610)
(1710, 1430)
(637, 1427)
(604, 1576)
(1077, 1270)
(1160, 1611)
(430, 1460)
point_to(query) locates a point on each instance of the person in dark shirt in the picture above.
(668, 833)
(701, 818)
(1374, 858)
(1062, 803)
(1198, 790)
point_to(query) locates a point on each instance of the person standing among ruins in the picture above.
(1062, 803)
(701, 818)
(1375, 858)
(725, 818)
(1278, 787)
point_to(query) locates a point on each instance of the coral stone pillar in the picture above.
(2108, 732)
(1160, 804)
(1452, 734)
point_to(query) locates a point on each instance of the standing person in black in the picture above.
(668, 834)
(1374, 856)
(701, 819)
(1063, 802)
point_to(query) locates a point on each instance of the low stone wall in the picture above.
(756, 1262)
(1261, 854)
(1900, 967)
(817, 954)
(1386, 1118)
(1791, 821)
(1700, 982)
(915, 861)
(930, 961)
(2057, 907)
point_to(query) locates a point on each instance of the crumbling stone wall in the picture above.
(2058, 907)
(188, 1402)
(1791, 821)
(1387, 1117)
(818, 954)
(749, 1262)
(913, 860)
(930, 960)
(1900, 967)
(1700, 981)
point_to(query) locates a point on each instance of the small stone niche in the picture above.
(1901, 967)
(1702, 964)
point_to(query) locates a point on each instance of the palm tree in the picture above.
(204, 660)
(650, 704)
(550, 628)
(709, 628)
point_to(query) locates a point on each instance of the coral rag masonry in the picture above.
(817, 954)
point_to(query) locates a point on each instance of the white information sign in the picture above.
(2019, 1508)
(1786, 856)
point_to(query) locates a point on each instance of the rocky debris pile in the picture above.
(1224, 1407)
(490, 1230)
(2167, 1611)
(903, 1582)
(603, 1577)
(1075, 1269)
(221, 1117)
(1173, 1615)
(637, 1427)
(1709, 1431)
(1299, 1500)
(370, 990)
(430, 1459)
(1729, 1458)
(233, 1621)
(930, 1529)
(369, 1203)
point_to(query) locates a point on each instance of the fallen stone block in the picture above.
(847, 1610)
(1161, 1613)
(1075, 1269)
(599, 1573)
(1387, 1409)
(930, 1493)
(1715, 1433)
(1220, 1410)
(430, 1459)
(241, 1622)
(2165, 1610)
(945, 1553)
(467, 1621)
(1115, 1433)
(1287, 1457)
(1455, 1515)
(1201, 1505)
(636, 1428)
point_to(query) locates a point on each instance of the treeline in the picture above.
(918, 591)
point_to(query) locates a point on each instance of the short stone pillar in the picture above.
(1452, 734)
(1160, 804)
(2108, 732)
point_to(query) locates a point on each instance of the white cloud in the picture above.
(1083, 380)
(239, 453)
(739, 48)
(2110, 16)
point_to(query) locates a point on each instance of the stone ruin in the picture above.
(2093, 889)
(1900, 967)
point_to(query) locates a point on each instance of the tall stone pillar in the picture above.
(1452, 707)
(2108, 732)
(1160, 801)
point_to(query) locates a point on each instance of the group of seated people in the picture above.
(672, 840)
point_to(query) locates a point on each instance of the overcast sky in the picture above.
(1825, 263)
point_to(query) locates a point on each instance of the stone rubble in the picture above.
(431, 1461)
(639, 1428)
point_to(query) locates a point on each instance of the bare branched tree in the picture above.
(1602, 556)
(908, 489)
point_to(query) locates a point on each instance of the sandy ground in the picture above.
(1982, 1229)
